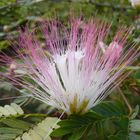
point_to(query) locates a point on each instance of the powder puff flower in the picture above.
(75, 69)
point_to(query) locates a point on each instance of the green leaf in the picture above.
(78, 133)
(135, 113)
(7, 136)
(135, 125)
(118, 137)
(14, 123)
(7, 130)
(110, 109)
(133, 136)
(74, 123)
(61, 131)
(107, 127)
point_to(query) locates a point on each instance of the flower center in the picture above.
(78, 109)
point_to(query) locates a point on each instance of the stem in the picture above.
(125, 100)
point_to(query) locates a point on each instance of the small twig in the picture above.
(125, 100)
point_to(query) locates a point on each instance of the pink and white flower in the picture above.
(76, 69)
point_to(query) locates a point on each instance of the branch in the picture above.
(125, 100)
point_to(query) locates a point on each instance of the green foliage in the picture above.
(16, 125)
(106, 121)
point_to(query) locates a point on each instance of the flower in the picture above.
(75, 69)
(135, 3)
